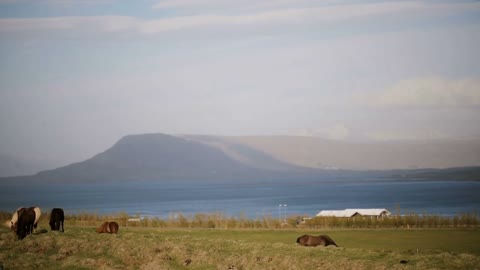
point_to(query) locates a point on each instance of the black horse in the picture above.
(57, 218)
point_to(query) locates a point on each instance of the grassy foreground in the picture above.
(166, 248)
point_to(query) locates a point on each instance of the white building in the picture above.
(375, 212)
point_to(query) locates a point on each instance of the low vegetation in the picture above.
(219, 220)
(189, 243)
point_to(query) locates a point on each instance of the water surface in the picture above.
(251, 199)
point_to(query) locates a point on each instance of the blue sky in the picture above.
(76, 76)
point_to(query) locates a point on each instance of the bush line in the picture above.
(221, 221)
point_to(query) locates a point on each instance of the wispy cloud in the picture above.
(58, 2)
(74, 23)
(426, 93)
(279, 18)
(238, 6)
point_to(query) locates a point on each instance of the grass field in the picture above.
(156, 248)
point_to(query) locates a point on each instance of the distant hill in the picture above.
(161, 157)
(165, 157)
(314, 152)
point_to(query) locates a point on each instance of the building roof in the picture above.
(353, 212)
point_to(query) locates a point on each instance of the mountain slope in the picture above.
(159, 157)
(316, 152)
(254, 158)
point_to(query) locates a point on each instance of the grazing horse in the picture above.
(108, 227)
(14, 220)
(57, 218)
(25, 222)
(12, 224)
(313, 241)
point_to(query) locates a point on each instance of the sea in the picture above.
(252, 199)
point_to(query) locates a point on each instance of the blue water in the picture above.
(253, 200)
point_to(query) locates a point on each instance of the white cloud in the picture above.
(189, 3)
(240, 5)
(74, 2)
(58, 2)
(258, 18)
(73, 23)
(338, 132)
(402, 134)
(425, 93)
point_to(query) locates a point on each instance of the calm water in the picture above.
(252, 200)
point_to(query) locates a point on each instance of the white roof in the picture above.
(370, 212)
(352, 212)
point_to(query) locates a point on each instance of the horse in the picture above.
(14, 220)
(12, 223)
(321, 240)
(57, 219)
(25, 222)
(108, 227)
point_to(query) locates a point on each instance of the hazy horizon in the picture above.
(76, 76)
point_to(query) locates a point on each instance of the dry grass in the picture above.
(164, 248)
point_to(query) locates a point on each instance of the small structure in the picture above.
(133, 221)
(348, 213)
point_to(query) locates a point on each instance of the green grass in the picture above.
(156, 248)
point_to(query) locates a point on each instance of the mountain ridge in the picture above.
(159, 157)
(315, 152)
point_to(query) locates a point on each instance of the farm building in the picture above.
(355, 213)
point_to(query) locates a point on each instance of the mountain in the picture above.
(165, 157)
(314, 152)
(161, 157)
(245, 154)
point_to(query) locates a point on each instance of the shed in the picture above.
(374, 212)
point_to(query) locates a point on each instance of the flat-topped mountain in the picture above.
(161, 156)
(315, 152)
(158, 157)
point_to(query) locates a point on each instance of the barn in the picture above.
(348, 213)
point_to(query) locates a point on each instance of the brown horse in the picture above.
(313, 241)
(108, 227)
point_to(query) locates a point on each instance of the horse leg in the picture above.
(61, 226)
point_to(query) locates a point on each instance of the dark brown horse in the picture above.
(25, 222)
(313, 241)
(108, 227)
(57, 218)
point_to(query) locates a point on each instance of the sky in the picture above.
(76, 76)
